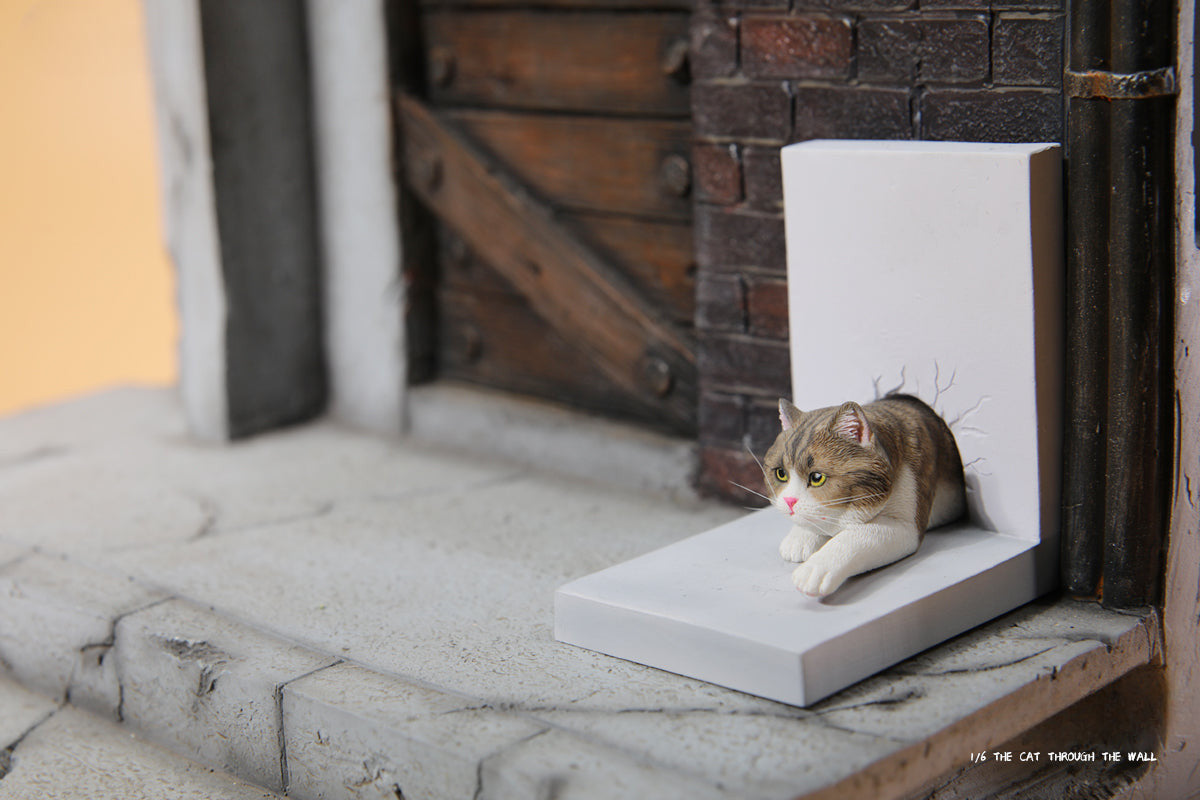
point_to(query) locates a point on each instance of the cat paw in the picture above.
(799, 545)
(816, 580)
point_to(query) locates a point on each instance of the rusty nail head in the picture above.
(675, 59)
(472, 343)
(675, 175)
(441, 67)
(657, 375)
(429, 172)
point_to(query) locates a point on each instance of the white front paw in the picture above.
(800, 544)
(818, 580)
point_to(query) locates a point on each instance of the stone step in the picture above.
(50, 751)
(331, 615)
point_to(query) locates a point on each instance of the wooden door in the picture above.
(552, 146)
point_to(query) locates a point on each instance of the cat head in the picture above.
(827, 467)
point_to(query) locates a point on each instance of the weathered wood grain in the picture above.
(568, 284)
(495, 339)
(656, 258)
(627, 166)
(622, 63)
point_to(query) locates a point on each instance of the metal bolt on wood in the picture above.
(675, 60)
(675, 175)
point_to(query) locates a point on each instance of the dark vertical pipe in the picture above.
(1086, 374)
(1120, 266)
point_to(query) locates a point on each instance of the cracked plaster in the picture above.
(206, 686)
(426, 742)
(72, 754)
(56, 627)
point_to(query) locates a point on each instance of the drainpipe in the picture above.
(1120, 88)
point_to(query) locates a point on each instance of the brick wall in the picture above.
(769, 72)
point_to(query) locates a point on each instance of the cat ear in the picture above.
(850, 422)
(789, 415)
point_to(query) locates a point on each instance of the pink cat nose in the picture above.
(791, 502)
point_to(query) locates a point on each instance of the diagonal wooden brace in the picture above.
(565, 281)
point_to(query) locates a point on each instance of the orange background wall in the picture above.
(86, 292)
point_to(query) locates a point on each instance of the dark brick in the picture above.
(767, 307)
(998, 115)
(764, 185)
(1028, 5)
(852, 113)
(888, 49)
(1027, 50)
(762, 424)
(722, 419)
(717, 171)
(720, 303)
(728, 240)
(955, 5)
(744, 364)
(924, 50)
(745, 5)
(742, 111)
(848, 6)
(714, 43)
(796, 47)
(731, 475)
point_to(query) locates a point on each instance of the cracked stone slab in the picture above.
(353, 733)
(20, 711)
(559, 765)
(56, 628)
(759, 755)
(10, 553)
(160, 491)
(205, 686)
(923, 695)
(444, 591)
(87, 503)
(72, 754)
(114, 417)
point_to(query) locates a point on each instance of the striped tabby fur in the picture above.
(861, 485)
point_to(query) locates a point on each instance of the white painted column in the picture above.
(364, 293)
(189, 209)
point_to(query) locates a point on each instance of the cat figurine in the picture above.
(861, 485)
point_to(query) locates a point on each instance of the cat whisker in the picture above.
(746, 444)
(824, 526)
(751, 491)
(855, 498)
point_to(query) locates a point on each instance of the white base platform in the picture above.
(721, 607)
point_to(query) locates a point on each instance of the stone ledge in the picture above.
(331, 615)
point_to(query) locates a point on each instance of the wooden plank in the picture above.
(624, 166)
(577, 292)
(619, 63)
(495, 339)
(656, 258)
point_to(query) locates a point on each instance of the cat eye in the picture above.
(781, 475)
(816, 478)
